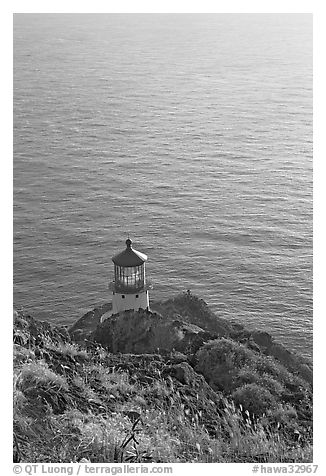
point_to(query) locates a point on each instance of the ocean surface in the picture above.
(192, 133)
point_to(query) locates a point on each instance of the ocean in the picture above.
(192, 133)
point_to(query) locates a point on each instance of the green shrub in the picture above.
(253, 398)
(283, 414)
(228, 365)
(271, 384)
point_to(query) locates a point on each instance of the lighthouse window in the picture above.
(136, 295)
(129, 278)
(123, 296)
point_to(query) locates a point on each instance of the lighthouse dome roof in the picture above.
(129, 256)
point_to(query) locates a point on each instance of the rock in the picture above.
(178, 357)
(291, 361)
(185, 323)
(262, 338)
(182, 372)
(144, 332)
(191, 309)
(85, 326)
(252, 345)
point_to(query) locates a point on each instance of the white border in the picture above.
(204, 6)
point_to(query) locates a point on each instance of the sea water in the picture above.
(192, 133)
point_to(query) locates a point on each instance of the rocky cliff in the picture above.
(178, 323)
(174, 384)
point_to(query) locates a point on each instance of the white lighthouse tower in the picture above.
(129, 287)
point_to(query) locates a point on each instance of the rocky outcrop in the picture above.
(144, 332)
(195, 311)
(180, 313)
(86, 325)
(263, 342)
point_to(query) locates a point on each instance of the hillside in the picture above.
(187, 308)
(176, 384)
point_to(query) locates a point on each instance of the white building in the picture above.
(129, 288)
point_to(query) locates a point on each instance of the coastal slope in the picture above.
(174, 384)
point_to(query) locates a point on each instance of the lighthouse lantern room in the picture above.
(129, 287)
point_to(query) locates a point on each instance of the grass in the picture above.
(72, 403)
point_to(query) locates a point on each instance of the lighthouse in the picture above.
(129, 288)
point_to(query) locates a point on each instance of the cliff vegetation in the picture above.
(175, 384)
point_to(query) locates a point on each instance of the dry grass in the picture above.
(71, 403)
